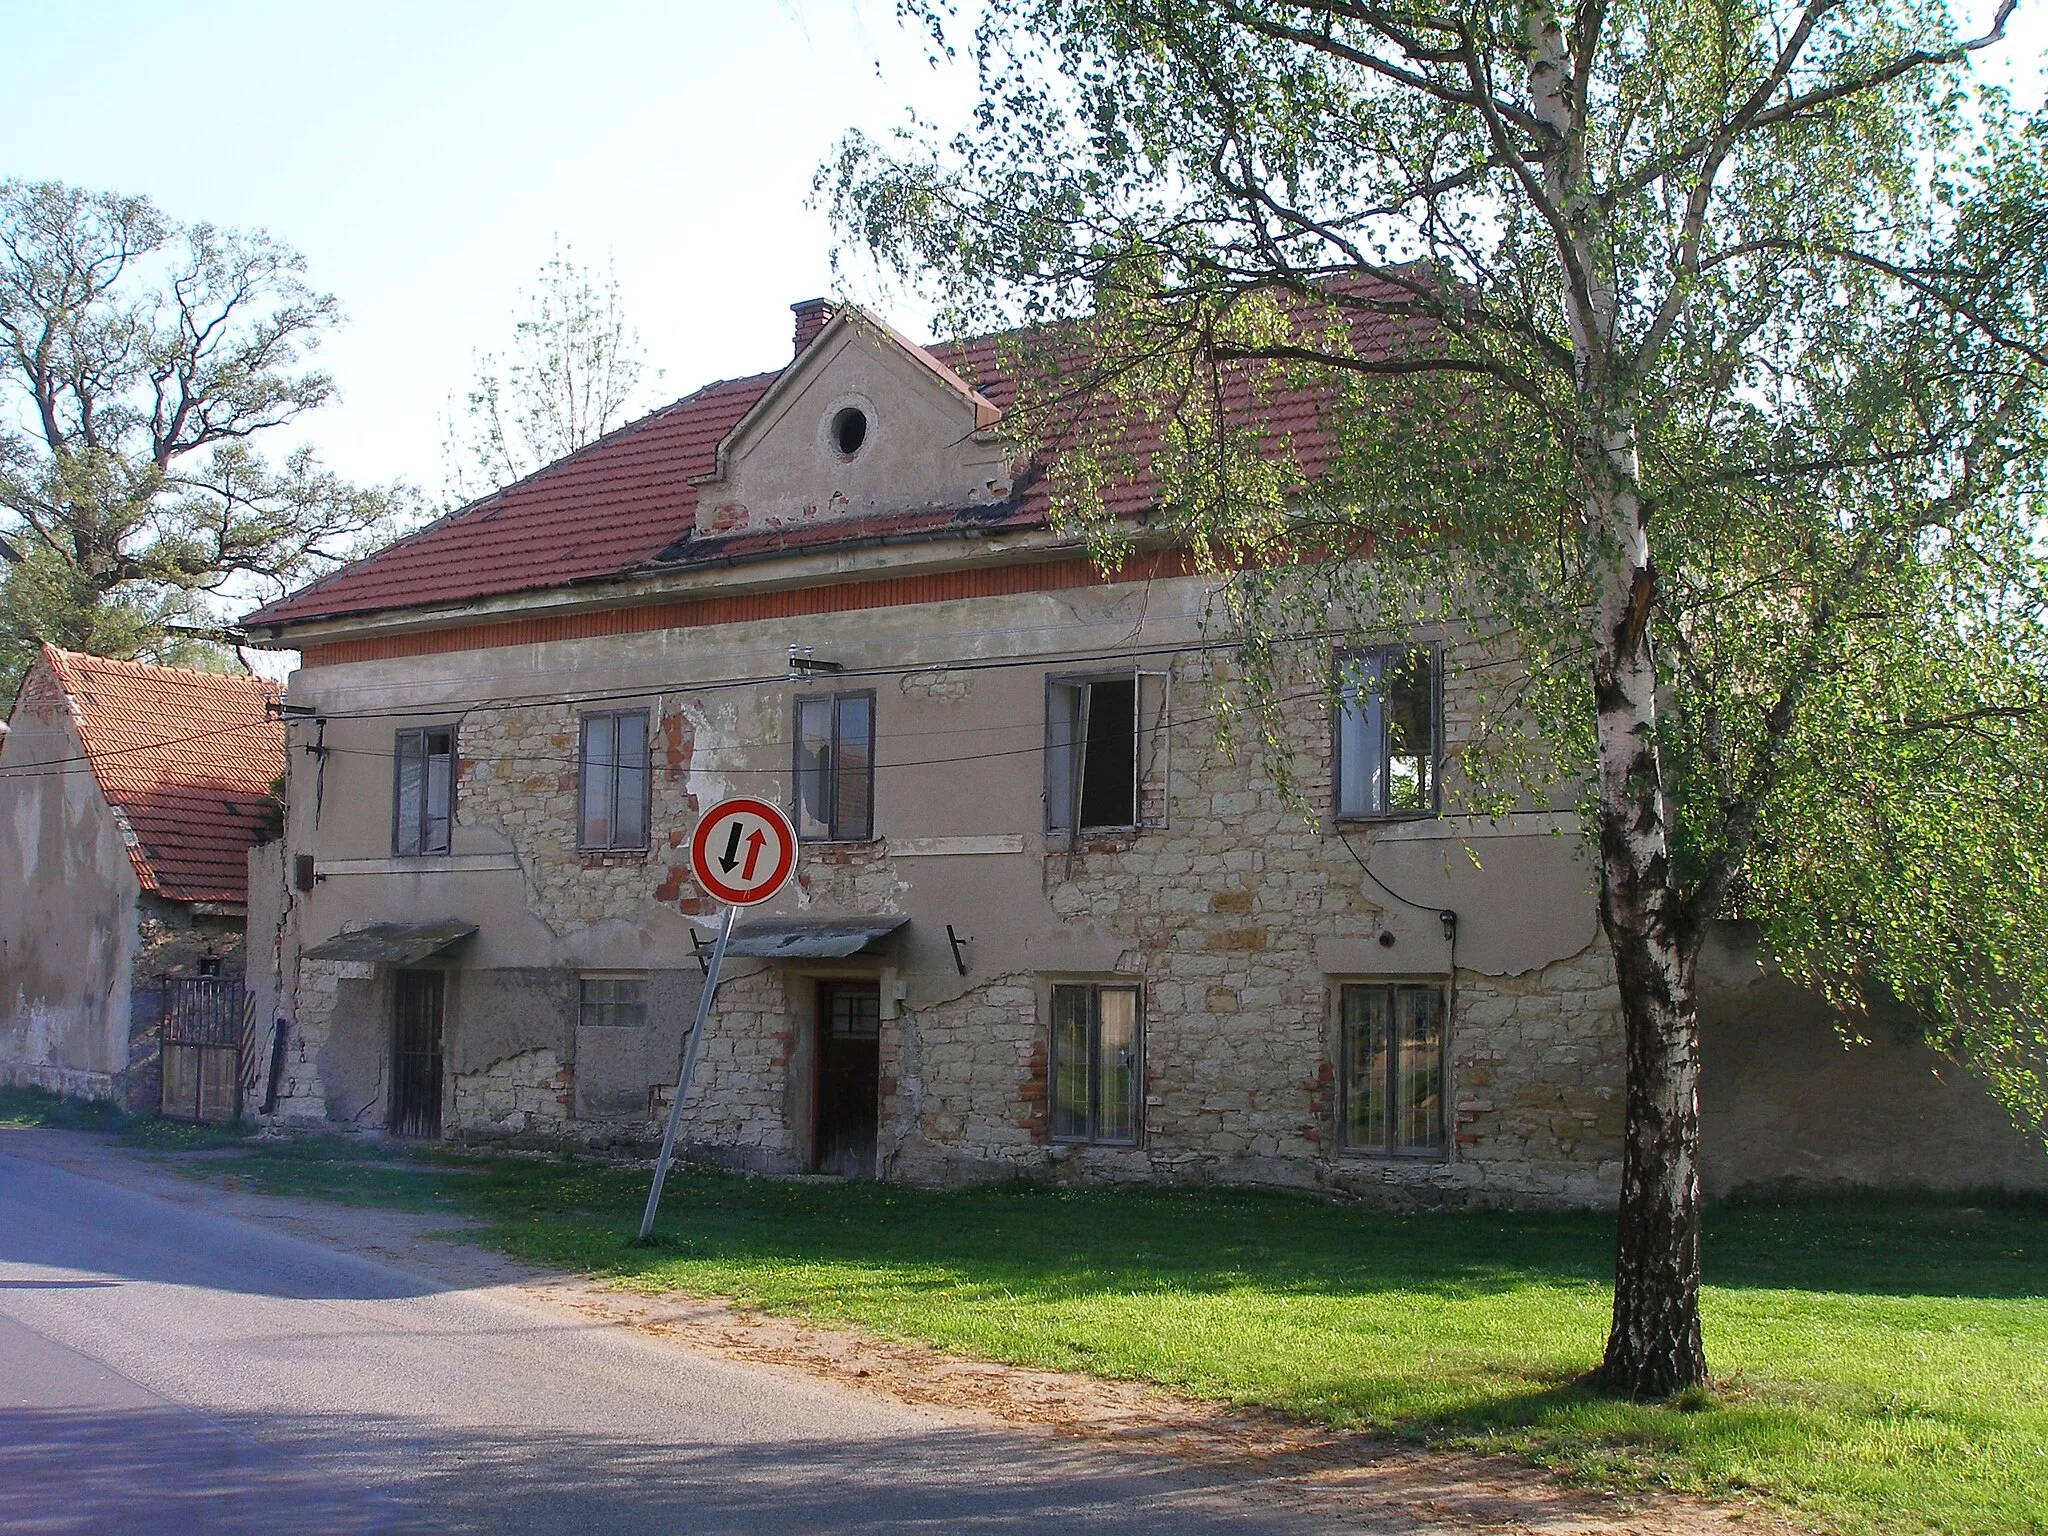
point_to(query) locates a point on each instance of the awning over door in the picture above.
(778, 938)
(393, 943)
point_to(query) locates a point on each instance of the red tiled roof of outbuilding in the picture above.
(187, 757)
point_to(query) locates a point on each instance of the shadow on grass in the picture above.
(1074, 1242)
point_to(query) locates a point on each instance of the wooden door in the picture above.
(416, 1053)
(849, 1078)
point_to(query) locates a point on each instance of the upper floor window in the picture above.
(612, 781)
(1105, 752)
(1096, 1075)
(1389, 726)
(1393, 1068)
(835, 767)
(424, 799)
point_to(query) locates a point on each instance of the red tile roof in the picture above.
(187, 757)
(627, 501)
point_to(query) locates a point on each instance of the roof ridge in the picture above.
(161, 669)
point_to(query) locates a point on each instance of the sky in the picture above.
(426, 157)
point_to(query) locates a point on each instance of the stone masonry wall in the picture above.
(531, 1093)
(1216, 916)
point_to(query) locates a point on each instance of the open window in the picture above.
(1389, 732)
(1106, 752)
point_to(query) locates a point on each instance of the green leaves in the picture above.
(139, 359)
(1780, 267)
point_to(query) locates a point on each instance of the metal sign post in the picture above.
(743, 852)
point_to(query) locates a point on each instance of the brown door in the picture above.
(848, 1096)
(416, 1053)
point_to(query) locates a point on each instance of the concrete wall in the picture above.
(1785, 1097)
(68, 907)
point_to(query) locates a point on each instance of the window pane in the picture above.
(855, 1015)
(813, 767)
(1116, 1056)
(1062, 717)
(613, 1000)
(411, 792)
(1418, 1109)
(1366, 1031)
(1411, 736)
(1359, 792)
(1070, 1062)
(1110, 763)
(852, 815)
(630, 802)
(440, 792)
(595, 775)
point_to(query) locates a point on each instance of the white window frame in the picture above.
(1359, 715)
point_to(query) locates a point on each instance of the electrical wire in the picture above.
(85, 761)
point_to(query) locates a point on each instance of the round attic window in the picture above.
(850, 430)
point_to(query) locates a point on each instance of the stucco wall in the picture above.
(68, 908)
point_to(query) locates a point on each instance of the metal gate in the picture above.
(416, 1053)
(202, 1047)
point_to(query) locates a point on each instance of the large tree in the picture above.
(573, 373)
(140, 358)
(1693, 345)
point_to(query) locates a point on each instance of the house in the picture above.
(1043, 923)
(130, 796)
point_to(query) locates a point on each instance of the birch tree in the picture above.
(573, 373)
(1707, 361)
(142, 361)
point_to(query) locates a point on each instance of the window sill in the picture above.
(600, 858)
(1382, 1155)
(1386, 818)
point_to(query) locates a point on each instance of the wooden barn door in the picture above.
(416, 1053)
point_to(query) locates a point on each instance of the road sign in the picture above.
(743, 851)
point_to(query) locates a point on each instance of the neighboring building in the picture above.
(1043, 921)
(130, 796)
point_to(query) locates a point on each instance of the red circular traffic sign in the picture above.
(743, 851)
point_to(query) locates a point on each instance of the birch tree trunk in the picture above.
(1654, 1347)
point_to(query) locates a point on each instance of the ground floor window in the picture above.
(612, 1000)
(1393, 1067)
(1095, 1071)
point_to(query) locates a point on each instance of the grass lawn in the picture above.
(1881, 1363)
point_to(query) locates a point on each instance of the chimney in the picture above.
(811, 316)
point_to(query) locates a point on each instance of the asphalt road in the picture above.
(166, 1368)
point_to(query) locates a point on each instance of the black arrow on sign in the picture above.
(729, 860)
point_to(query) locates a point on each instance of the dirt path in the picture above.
(1343, 1475)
